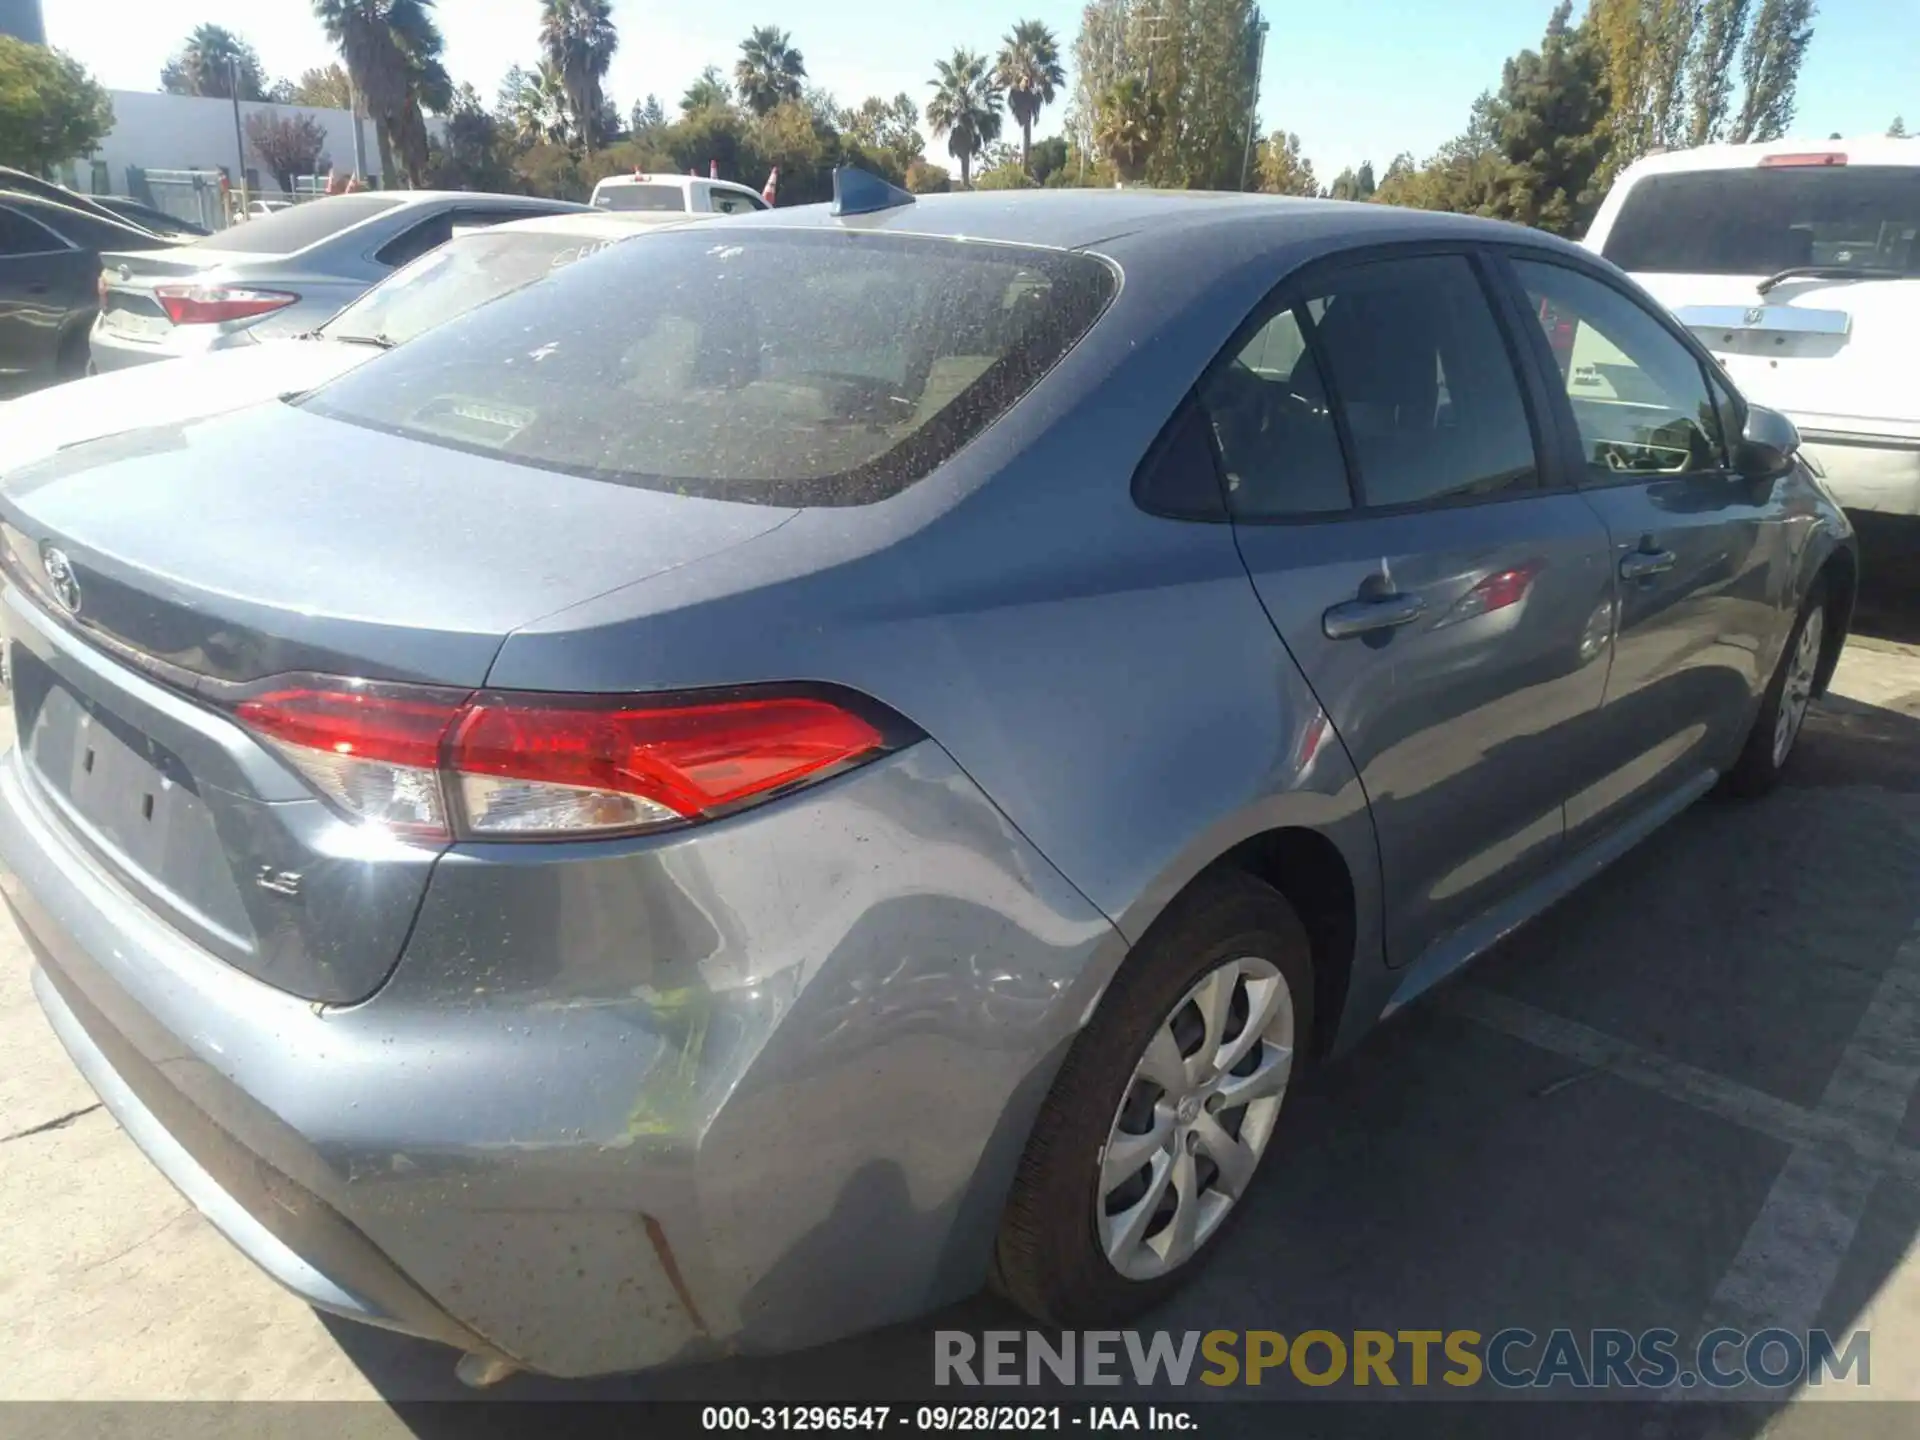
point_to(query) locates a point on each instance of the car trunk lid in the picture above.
(159, 570)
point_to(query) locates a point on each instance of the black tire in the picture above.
(74, 355)
(1760, 766)
(1048, 1258)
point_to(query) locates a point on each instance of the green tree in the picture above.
(327, 88)
(1398, 181)
(769, 69)
(1129, 126)
(533, 105)
(1897, 130)
(578, 38)
(708, 92)
(208, 63)
(965, 107)
(1712, 66)
(392, 51)
(287, 145)
(1029, 70)
(1280, 168)
(1645, 44)
(1351, 184)
(1048, 158)
(886, 127)
(649, 117)
(924, 178)
(51, 109)
(1770, 66)
(1554, 131)
(1197, 58)
(472, 152)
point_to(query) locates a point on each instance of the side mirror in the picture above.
(1768, 442)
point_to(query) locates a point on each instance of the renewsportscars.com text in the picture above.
(1511, 1358)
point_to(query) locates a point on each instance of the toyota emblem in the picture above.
(61, 580)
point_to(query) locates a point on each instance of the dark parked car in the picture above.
(803, 762)
(50, 285)
(158, 221)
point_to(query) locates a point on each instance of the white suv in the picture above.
(1798, 265)
(674, 194)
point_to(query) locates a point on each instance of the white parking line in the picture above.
(1843, 1131)
(1795, 1247)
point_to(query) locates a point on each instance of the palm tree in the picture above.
(709, 91)
(1030, 70)
(536, 103)
(208, 62)
(392, 51)
(965, 107)
(769, 69)
(579, 39)
(1127, 126)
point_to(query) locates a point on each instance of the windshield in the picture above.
(778, 367)
(640, 197)
(450, 280)
(296, 228)
(1761, 221)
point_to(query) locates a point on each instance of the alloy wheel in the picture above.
(1195, 1119)
(1796, 691)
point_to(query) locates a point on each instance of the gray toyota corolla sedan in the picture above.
(796, 767)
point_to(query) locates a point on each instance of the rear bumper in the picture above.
(1873, 472)
(750, 1088)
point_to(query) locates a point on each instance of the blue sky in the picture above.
(1363, 79)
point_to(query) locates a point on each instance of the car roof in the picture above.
(683, 182)
(605, 224)
(1116, 221)
(1864, 150)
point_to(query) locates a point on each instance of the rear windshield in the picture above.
(640, 197)
(297, 227)
(783, 367)
(1761, 221)
(467, 271)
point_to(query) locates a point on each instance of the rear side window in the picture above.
(640, 197)
(89, 232)
(1425, 386)
(776, 367)
(297, 228)
(1761, 221)
(1278, 446)
(726, 202)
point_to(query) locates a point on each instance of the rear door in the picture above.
(1445, 594)
(1701, 555)
(38, 274)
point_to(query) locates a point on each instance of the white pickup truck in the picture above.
(1797, 264)
(684, 194)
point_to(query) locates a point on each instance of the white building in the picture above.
(155, 131)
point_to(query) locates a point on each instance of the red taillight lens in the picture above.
(680, 762)
(544, 767)
(210, 304)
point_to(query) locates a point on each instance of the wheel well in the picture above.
(1309, 870)
(1842, 574)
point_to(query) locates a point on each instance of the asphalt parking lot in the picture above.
(1683, 1098)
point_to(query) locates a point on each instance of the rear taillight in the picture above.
(431, 764)
(1797, 160)
(211, 304)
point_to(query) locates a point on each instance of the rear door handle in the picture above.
(1642, 563)
(1363, 617)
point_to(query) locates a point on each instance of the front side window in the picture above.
(786, 367)
(1639, 396)
(640, 197)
